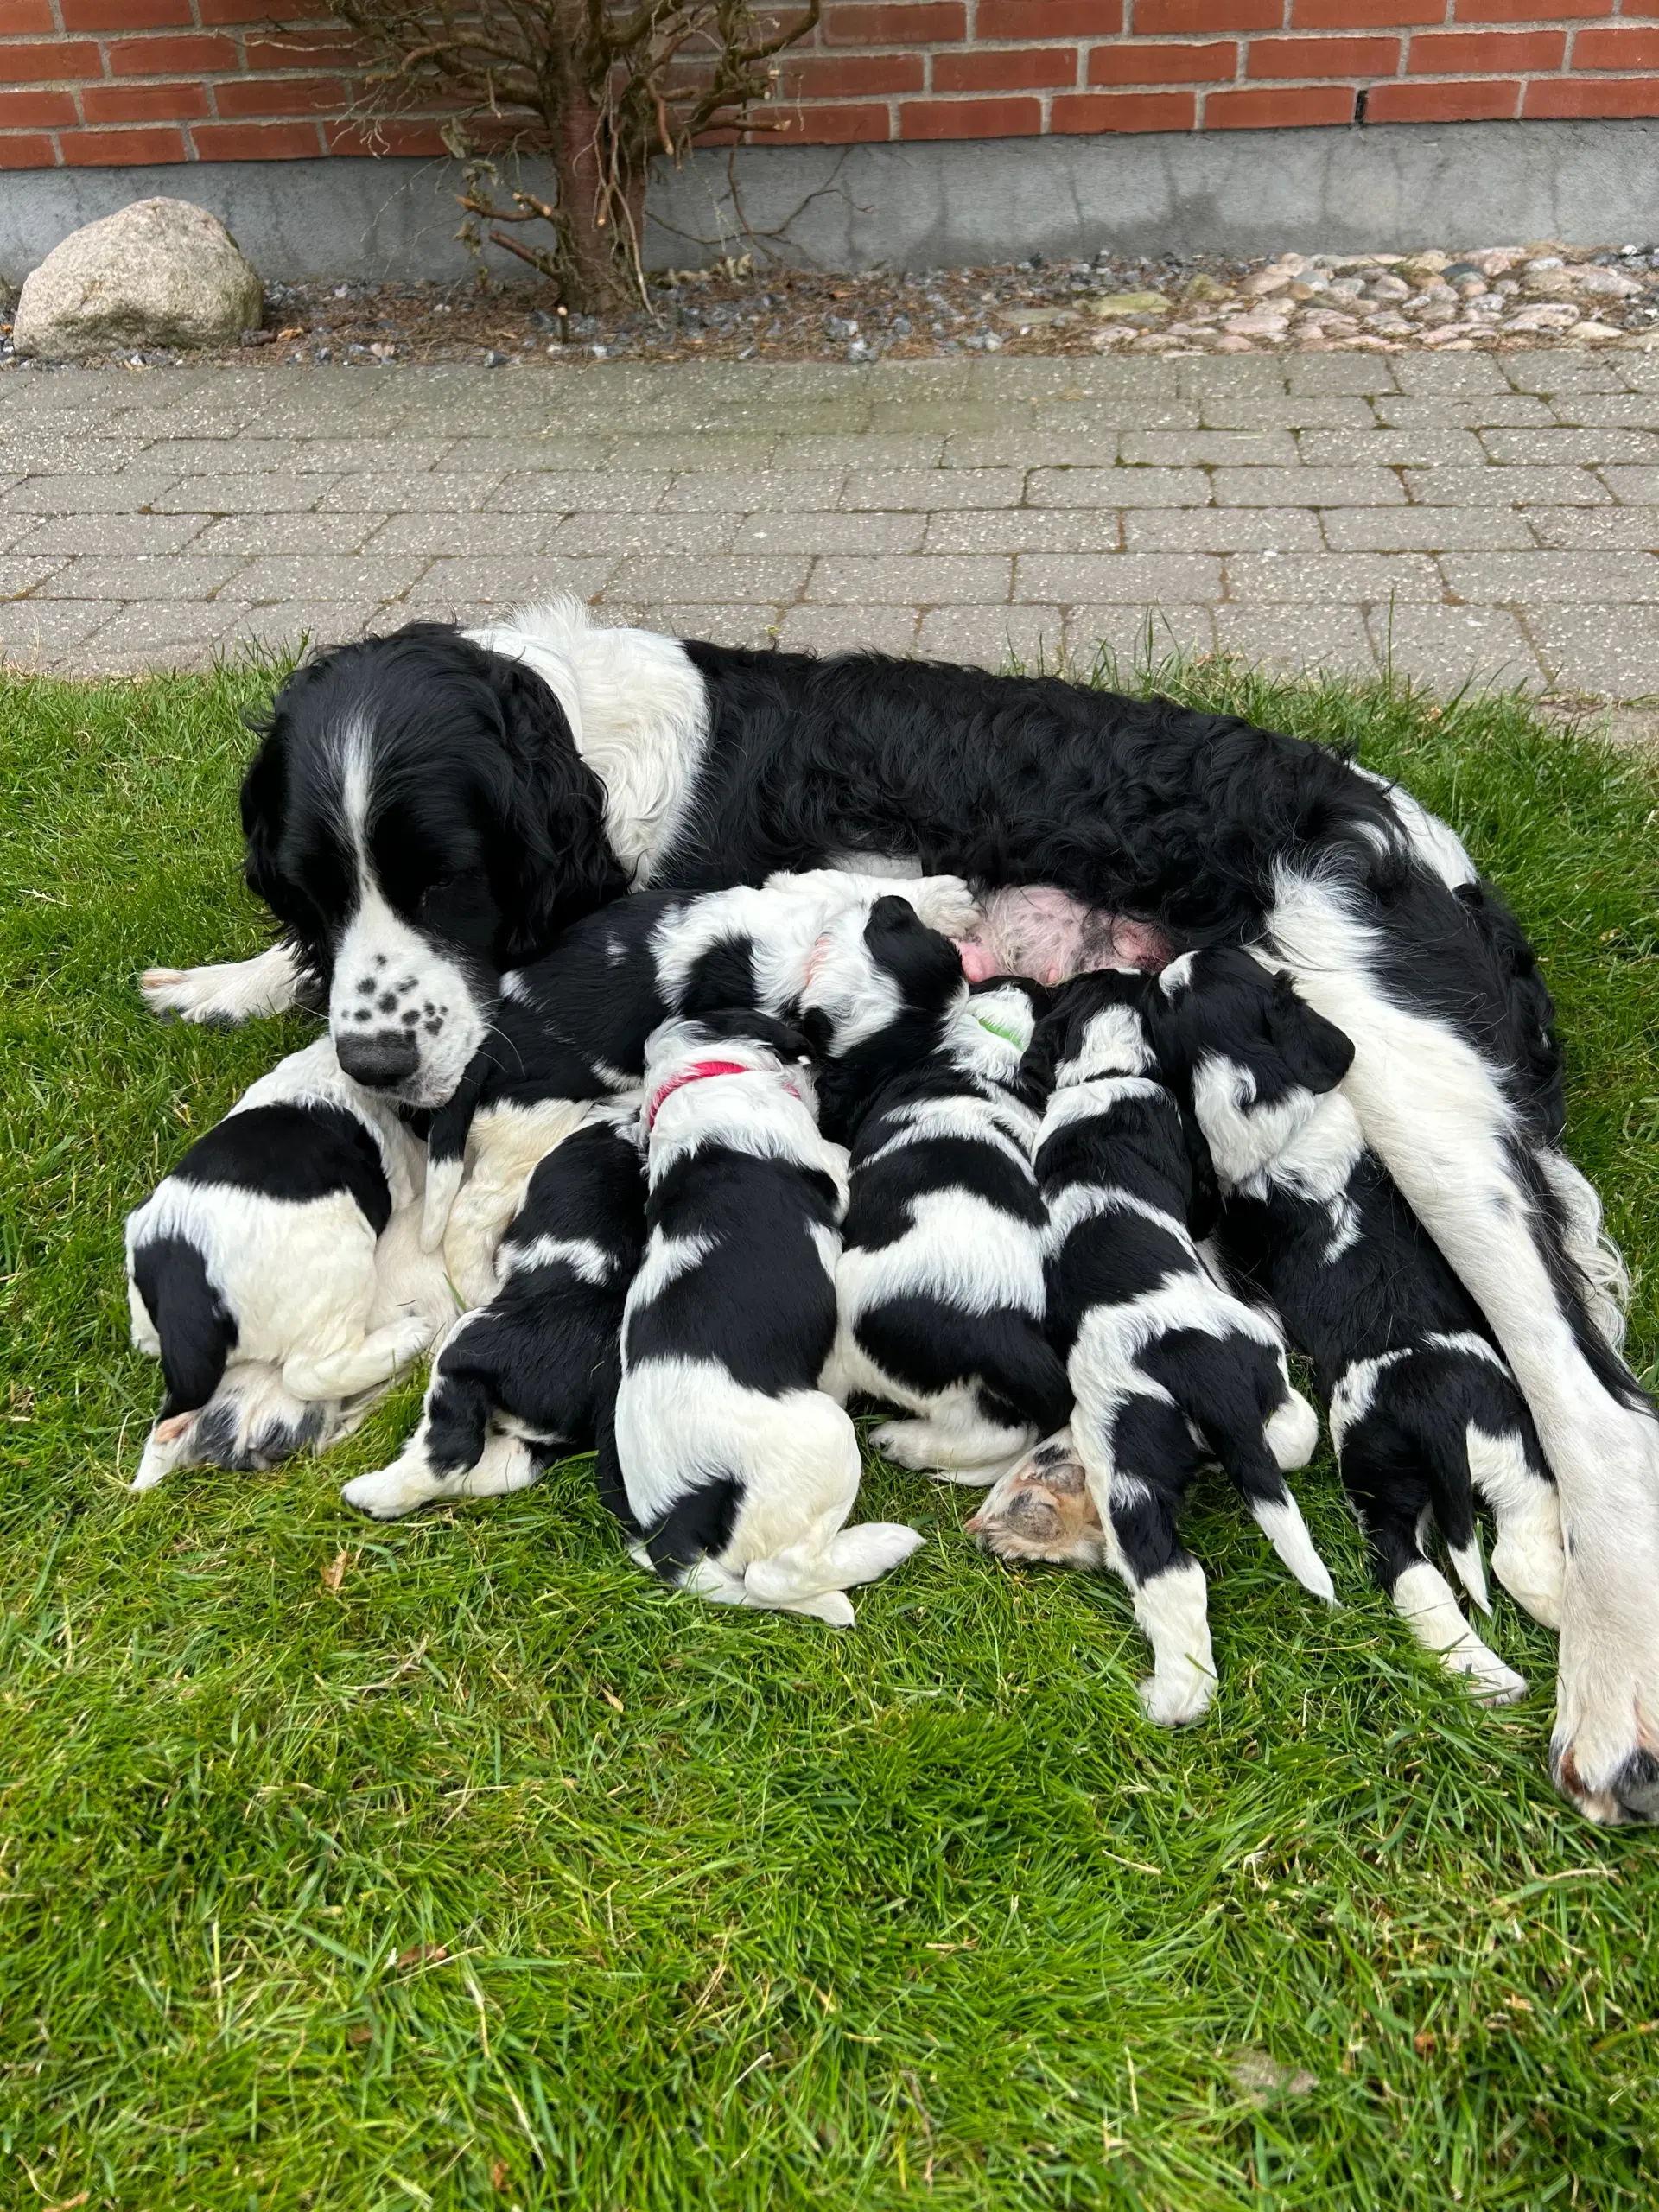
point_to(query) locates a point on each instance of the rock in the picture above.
(1204, 287)
(1604, 283)
(160, 272)
(1111, 303)
(1592, 333)
(1033, 318)
(1549, 283)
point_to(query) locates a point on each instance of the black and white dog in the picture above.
(738, 1470)
(527, 1379)
(275, 1272)
(940, 1286)
(1423, 1410)
(427, 809)
(1168, 1369)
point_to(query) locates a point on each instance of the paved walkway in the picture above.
(1473, 515)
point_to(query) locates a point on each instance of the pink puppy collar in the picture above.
(697, 1072)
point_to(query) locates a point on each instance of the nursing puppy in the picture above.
(1168, 1369)
(1423, 1409)
(737, 1468)
(275, 1271)
(521, 1382)
(939, 1286)
(573, 1026)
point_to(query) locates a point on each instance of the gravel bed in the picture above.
(1507, 298)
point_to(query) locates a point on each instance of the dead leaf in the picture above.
(424, 1954)
(612, 1700)
(69, 2202)
(360, 2034)
(1259, 2079)
(1424, 2041)
(501, 2173)
(334, 1573)
(294, 330)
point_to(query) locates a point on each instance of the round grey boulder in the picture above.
(160, 272)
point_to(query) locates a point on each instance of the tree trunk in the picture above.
(596, 248)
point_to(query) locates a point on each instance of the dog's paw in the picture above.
(1042, 1510)
(1176, 1696)
(1604, 1756)
(228, 991)
(388, 1493)
(943, 902)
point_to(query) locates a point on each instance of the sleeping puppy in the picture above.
(275, 1272)
(739, 1470)
(572, 1025)
(940, 1282)
(1423, 1408)
(1168, 1369)
(522, 1381)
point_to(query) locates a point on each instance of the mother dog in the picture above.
(427, 810)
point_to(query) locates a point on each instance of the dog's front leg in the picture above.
(233, 991)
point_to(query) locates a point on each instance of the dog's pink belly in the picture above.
(1048, 936)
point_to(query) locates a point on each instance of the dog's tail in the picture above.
(1255, 1454)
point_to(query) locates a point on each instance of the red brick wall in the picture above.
(99, 81)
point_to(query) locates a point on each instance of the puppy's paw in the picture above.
(1176, 1696)
(943, 902)
(1042, 1510)
(390, 1492)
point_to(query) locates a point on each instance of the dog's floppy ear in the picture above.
(926, 966)
(265, 792)
(1204, 1210)
(556, 859)
(1316, 1053)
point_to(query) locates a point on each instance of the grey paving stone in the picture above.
(848, 629)
(1425, 446)
(993, 637)
(1308, 487)
(706, 454)
(1120, 488)
(1359, 579)
(1106, 579)
(1562, 449)
(251, 494)
(112, 533)
(1366, 372)
(1225, 529)
(480, 537)
(389, 493)
(1207, 448)
(1134, 638)
(1414, 410)
(125, 491)
(1026, 530)
(15, 528)
(1586, 655)
(658, 533)
(1634, 486)
(721, 578)
(1111, 417)
(160, 634)
(1557, 369)
(507, 582)
(1503, 487)
(601, 491)
(226, 456)
(1430, 529)
(43, 634)
(861, 532)
(528, 456)
(844, 450)
(1296, 638)
(916, 579)
(1636, 410)
(1449, 375)
(350, 456)
(927, 490)
(369, 578)
(321, 621)
(139, 576)
(1546, 579)
(1593, 529)
(743, 490)
(1447, 647)
(247, 535)
(1329, 410)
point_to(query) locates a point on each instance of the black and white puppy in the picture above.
(940, 1285)
(524, 1381)
(1423, 1408)
(572, 1026)
(275, 1272)
(1168, 1369)
(737, 1469)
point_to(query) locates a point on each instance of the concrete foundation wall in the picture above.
(958, 201)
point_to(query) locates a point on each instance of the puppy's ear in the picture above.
(1316, 1053)
(264, 789)
(926, 966)
(1041, 1057)
(1204, 1210)
(556, 859)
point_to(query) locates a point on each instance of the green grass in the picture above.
(496, 1876)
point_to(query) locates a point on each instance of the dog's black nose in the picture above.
(380, 1061)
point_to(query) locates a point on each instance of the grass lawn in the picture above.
(455, 1864)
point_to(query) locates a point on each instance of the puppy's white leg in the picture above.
(231, 992)
(1173, 1609)
(1293, 1431)
(956, 1444)
(443, 1182)
(166, 1446)
(410, 1481)
(373, 1359)
(507, 1144)
(1527, 1558)
(1431, 1612)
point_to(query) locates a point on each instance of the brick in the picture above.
(1503, 487)
(1479, 54)
(1554, 579)
(256, 142)
(19, 151)
(141, 576)
(1430, 529)
(1024, 530)
(1215, 63)
(1092, 111)
(259, 96)
(1364, 14)
(1586, 654)
(176, 103)
(1302, 58)
(240, 11)
(380, 135)
(1006, 118)
(112, 533)
(1527, 11)
(1225, 529)
(1003, 68)
(1307, 487)
(1049, 19)
(1111, 579)
(1630, 48)
(1266, 110)
(35, 110)
(1584, 448)
(916, 579)
(124, 14)
(1203, 18)
(833, 76)
(170, 57)
(1292, 638)
(1118, 488)
(750, 491)
(1593, 96)
(1423, 448)
(1450, 646)
(993, 636)
(843, 629)
(859, 532)
(1208, 448)
(51, 63)
(119, 148)
(931, 22)
(1356, 579)
(724, 577)
(1593, 530)
(1471, 99)
(24, 17)
(925, 490)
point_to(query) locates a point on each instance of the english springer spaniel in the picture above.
(524, 1381)
(427, 810)
(1168, 1369)
(275, 1271)
(738, 1470)
(939, 1286)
